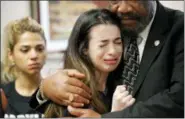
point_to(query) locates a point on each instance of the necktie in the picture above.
(131, 65)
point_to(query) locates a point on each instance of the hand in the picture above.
(121, 99)
(64, 88)
(83, 112)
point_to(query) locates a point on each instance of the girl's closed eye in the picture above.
(118, 42)
(40, 49)
(101, 46)
(24, 50)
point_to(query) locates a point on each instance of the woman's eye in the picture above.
(24, 50)
(40, 49)
(119, 42)
(101, 46)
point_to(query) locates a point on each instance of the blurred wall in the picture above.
(179, 5)
(11, 10)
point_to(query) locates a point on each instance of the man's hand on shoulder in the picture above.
(64, 87)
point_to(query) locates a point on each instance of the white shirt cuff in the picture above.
(40, 101)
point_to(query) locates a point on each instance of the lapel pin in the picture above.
(157, 42)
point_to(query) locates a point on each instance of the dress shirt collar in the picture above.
(145, 32)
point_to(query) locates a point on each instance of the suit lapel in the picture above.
(153, 45)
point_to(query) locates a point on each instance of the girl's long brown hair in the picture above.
(76, 59)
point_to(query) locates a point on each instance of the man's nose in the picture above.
(124, 7)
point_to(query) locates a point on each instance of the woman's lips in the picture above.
(34, 66)
(110, 61)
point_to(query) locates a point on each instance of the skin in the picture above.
(29, 53)
(134, 14)
(104, 50)
(29, 56)
(121, 99)
(131, 23)
(135, 23)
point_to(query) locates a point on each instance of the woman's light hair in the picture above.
(11, 34)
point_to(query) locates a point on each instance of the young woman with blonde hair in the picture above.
(25, 55)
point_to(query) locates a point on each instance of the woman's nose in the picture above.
(33, 55)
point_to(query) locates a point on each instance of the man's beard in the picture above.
(141, 22)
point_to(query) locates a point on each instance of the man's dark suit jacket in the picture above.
(159, 87)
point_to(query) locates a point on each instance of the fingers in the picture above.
(119, 95)
(79, 91)
(121, 98)
(124, 94)
(75, 87)
(80, 99)
(77, 101)
(120, 89)
(127, 99)
(74, 104)
(60, 101)
(74, 73)
(75, 80)
(74, 111)
(130, 102)
(67, 102)
(78, 83)
(83, 112)
(63, 83)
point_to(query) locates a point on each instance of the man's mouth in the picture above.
(129, 21)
